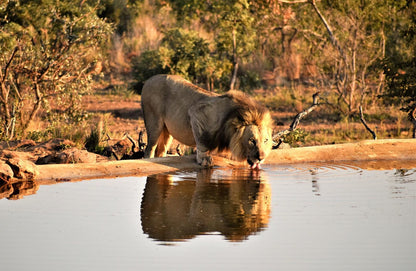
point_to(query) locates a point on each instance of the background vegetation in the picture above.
(354, 52)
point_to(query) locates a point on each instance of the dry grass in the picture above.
(326, 125)
(119, 112)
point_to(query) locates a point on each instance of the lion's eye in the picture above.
(252, 141)
(266, 140)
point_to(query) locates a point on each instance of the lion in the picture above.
(175, 108)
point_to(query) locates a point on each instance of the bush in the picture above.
(145, 66)
(181, 52)
(49, 54)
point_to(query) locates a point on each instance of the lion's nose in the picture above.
(258, 156)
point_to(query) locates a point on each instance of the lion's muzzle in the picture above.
(254, 164)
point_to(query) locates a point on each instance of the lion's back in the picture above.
(168, 98)
(172, 91)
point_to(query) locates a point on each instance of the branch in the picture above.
(329, 30)
(178, 150)
(365, 123)
(36, 106)
(412, 118)
(133, 142)
(8, 63)
(294, 1)
(333, 39)
(277, 138)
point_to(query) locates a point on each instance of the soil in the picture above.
(125, 114)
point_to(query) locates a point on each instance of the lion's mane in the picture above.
(244, 113)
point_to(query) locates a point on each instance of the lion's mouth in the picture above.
(254, 165)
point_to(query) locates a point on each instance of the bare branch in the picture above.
(135, 144)
(329, 30)
(8, 63)
(178, 150)
(412, 118)
(293, 1)
(36, 106)
(142, 144)
(365, 123)
(277, 138)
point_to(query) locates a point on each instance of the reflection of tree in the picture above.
(17, 190)
(236, 206)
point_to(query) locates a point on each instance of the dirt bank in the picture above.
(395, 152)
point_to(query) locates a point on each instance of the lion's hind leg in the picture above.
(163, 143)
(154, 129)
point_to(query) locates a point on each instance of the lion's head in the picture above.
(248, 130)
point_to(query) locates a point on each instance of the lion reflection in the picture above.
(235, 206)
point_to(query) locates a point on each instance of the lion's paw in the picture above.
(204, 160)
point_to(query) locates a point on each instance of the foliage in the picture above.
(145, 66)
(210, 62)
(295, 137)
(49, 53)
(400, 62)
(120, 12)
(181, 52)
(346, 49)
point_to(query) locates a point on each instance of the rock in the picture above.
(69, 156)
(7, 154)
(6, 173)
(78, 156)
(25, 144)
(284, 146)
(119, 150)
(22, 169)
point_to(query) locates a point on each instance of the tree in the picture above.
(230, 22)
(181, 52)
(400, 62)
(49, 52)
(356, 33)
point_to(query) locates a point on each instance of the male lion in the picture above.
(173, 107)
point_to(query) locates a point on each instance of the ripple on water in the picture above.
(318, 169)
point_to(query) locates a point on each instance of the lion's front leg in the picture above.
(203, 158)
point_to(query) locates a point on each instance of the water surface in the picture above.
(303, 217)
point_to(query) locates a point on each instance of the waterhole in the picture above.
(298, 217)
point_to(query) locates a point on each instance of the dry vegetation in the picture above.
(282, 59)
(120, 114)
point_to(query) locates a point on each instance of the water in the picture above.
(303, 217)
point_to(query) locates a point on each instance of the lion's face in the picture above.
(258, 141)
(252, 143)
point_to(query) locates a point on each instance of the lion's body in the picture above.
(173, 107)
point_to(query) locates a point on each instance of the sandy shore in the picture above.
(379, 154)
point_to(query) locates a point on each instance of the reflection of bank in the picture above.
(179, 207)
(17, 190)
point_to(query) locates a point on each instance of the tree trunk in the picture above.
(334, 40)
(35, 108)
(235, 63)
(5, 105)
(4, 99)
(412, 117)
